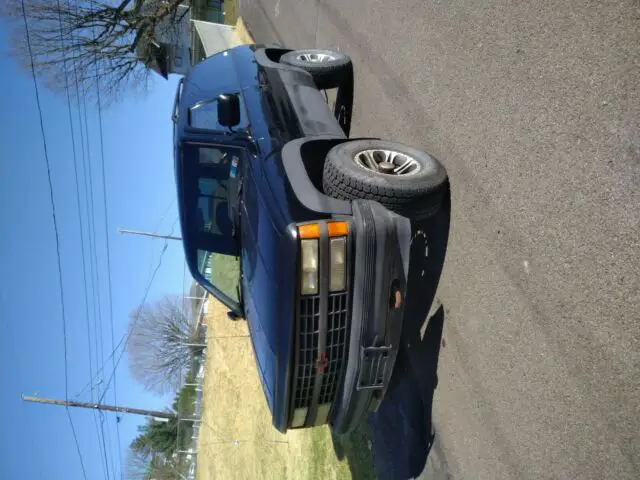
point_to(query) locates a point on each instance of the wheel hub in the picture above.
(387, 162)
(315, 57)
(386, 167)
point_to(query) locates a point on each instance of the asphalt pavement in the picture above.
(534, 109)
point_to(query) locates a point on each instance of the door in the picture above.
(214, 247)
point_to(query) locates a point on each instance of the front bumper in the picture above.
(382, 243)
(346, 343)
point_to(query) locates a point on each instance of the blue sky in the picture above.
(36, 440)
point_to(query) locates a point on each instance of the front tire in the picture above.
(328, 68)
(404, 179)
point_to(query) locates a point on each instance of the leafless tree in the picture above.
(163, 337)
(137, 465)
(141, 466)
(89, 43)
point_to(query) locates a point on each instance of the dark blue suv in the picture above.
(298, 228)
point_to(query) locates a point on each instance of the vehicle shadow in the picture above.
(356, 448)
(402, 432)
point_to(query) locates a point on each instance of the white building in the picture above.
(182, 41)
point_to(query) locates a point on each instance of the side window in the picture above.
(212, 187)
(222, 271)
(204, 116)
(204, 264)
(213, 156)
(213, 206)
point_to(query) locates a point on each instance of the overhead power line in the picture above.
(125, 339)
(75, 439)
(104, 446)
(81, 107)
(51, 197)
(164, 214)
(106, 233)
(80, 102)
(55, 230)
(80, 222)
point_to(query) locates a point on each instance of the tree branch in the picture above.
(112, 39)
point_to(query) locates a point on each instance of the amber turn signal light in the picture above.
(338, 229)
(310, 230)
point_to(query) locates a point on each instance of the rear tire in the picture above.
(328, 68)
(403, 179)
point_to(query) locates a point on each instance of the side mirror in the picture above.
(228, 110)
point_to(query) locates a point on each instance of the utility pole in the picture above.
(148, 234)
(98, 406)
(201, 345)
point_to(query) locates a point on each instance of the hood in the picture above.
(269, 277)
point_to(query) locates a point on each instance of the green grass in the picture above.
(354, 448)
(344, 456)
(230, 12)
(322, 456)
(225, 274)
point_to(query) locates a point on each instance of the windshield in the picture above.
(211, 194)
(204, 116)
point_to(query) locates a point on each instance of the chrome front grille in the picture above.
(336, 346)
(332, 360)
(308, 335)
(321, 341)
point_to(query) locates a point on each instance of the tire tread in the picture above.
(409, 198)
(325, 75)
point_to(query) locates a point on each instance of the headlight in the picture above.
(299, 417)
(309, 281)
(337, 280)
